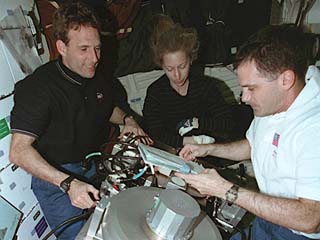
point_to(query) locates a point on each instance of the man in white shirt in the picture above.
(282, 141)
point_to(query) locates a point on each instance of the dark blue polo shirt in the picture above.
(69, 115)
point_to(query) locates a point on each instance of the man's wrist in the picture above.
(210, 149)
(125, 117)
(231, 194)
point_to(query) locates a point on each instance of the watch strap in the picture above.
(65, 184)
(232, 194)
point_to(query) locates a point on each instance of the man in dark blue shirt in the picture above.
(62, 112)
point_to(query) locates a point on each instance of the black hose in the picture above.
(69, 221)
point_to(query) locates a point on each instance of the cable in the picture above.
(69, 221)
(119, 162)
(142, 171)
(6, 95)
(93, 154)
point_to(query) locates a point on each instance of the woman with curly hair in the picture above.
(183, 106)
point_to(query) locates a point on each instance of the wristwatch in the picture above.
(65, 184)
(232, 194)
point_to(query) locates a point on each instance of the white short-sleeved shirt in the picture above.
(285, 147)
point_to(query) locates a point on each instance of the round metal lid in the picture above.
(126, 217)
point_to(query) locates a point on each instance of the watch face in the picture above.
(64, 187)
(232, 194)
(65, 184)
(231, 197)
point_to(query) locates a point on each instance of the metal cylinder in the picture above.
(125, 218)
(173, 215)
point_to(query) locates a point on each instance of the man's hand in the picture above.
(208, 182)
(79, 194)
(131, 126)
(191, 151)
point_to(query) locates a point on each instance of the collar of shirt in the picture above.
(310, 90)
(69, 74)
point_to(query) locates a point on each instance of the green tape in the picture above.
(4, 128)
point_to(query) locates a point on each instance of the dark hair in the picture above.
(168, 37)
(275, 49)
(72, 16)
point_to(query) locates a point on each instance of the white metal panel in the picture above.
(6, 77)
(136, 86)
(143, 80)
(34, 226)
(10, 218)
(8, 8)
(4, 152)
(15, 187)
(313, 15)
(15, 183)
(229, 77)
(17, 74)
(6, 105)
(8, 5)
(18, 38)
